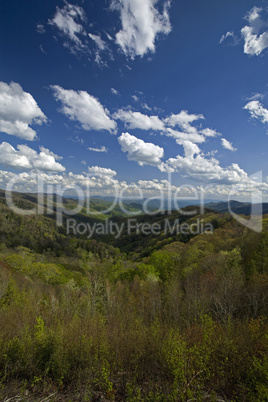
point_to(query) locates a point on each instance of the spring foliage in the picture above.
(186, 322)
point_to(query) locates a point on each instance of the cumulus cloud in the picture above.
(141, 24)
(183, 120)
(253, 17)
(227, 145)
(134, 120)
(18, 110)
(188, 132)
(107, 185)
(254, 34)
(100, 171)
(180, 136)
(69, 21)
(190, 149)
(185, 134)
(196, 167)
(84, 108)
(195, 164)
(254, 44)
(99, 184)
(145, 153)
(208, 132)
(50, 153)
(257, 110)
(27, 158)
(101, 149)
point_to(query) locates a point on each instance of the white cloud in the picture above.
(183, 120)
(190, 149)
(50, 153)
(135, 98)
(179, 136)
(208, 132)
(141, 24)
(99, 184)
(84, 108)
(210, 153)
(100, 171)
(101, 149)
(18, 110)
(145, 106)
(254, 18)
(155, 185)
(101, 44)
(255, 96)
(257, 110)
(69, 20)
(138, 120)
(227, 145)
(101, 47)
(27, 158)
(77, 139)
(193, 164)
(99, 61)
(114, 91)
(109, 37)
(107, 185)
(42, 49)
(40, 28)
(254, 44)
(255, 41)
(145, 153)
(227, 35)
(196, 167)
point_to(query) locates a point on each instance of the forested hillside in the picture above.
(166, 317)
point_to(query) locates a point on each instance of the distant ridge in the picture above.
(239, 208)
(98, 203)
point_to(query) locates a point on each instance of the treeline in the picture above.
(41, 234)
(188, 321)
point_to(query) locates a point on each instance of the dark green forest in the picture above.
(170, 317)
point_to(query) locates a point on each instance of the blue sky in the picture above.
(131, 93)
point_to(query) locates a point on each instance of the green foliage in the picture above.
(183, 320)
(260, 377)
(163, 263)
